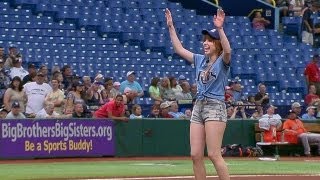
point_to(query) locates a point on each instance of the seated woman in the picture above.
(259, 22)
(155, 111)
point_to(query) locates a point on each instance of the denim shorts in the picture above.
(209, 110)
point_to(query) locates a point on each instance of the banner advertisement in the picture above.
(29, 138)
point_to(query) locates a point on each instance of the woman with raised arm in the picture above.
(209, 116)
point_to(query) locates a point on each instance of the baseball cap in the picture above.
(99, 76)
(15, 104)
(116, 83)
(310, 107)
(130, 72)
(182, 77)
(12, 46)
(165, 104)
(295, 105)
(212, 33)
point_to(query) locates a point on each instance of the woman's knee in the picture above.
(214, 156)
(196, 156)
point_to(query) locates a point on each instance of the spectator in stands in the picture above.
(56, 97)
(136, 112)
(155, 111)
(176, 88)
(68, 77)
(2, 55)
(77, 94)
(295, 7)
(312, 97)
(14, 93)
(107, 89)
(44, 70)
(188, 113)
(35, 92)
(99, 78)
(86, 82)
(55, 69)
(4, 80)
(94, 98)
(311, 110)
(32, 72)
(17, 69)
(207, 126)
(79, 111)
(13, 56)
(295, 131)
(193, 90)
(181, 79)
(174, 111)
(237, 93)
(114, 109)
(164, 110)
(132, 84)
(308, 29)
(259, 22)
(250, 107)
(257, 114)
(115, 90)
(47, 112)
(154, 90)
(15, 112)
(3, 113)
(262, 98)
(68, 111)
(312, 73)
(271, 123)
(166, 91)
(296, 107)
(236, 111)
(58, 76)
(228, 97)
(185, 93)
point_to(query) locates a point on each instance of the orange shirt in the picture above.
(269, 136)
(295, 125)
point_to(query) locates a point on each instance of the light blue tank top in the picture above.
(212, 85)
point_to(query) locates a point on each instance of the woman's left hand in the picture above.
(218, 19)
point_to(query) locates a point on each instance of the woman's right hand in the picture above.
(169, 18)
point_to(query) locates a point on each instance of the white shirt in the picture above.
(43, 114)
(269, 120)
(18, 72)
(36, 94)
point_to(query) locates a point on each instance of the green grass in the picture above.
(68, 170)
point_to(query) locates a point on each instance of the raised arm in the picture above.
(177, 46)
(218, 21)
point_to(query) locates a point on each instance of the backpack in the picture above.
(237, 150)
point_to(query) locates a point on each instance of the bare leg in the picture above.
(214, 134)
(197, 143)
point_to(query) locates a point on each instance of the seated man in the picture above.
(295, 131)
(270, 123)
(15, 112)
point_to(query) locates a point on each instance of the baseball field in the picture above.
(156, 168)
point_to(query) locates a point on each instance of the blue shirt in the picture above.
(135, 86)
(212, 85)
(308, 117)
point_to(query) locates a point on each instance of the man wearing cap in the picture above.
(15, 112)
(3, 113)
(32, 71)
(295, 132)
(132, 84)
(312, 73)
(271, 123)
(164, 110)
(35, 93)
(181, 79)
(296, 107)
(309, 116)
